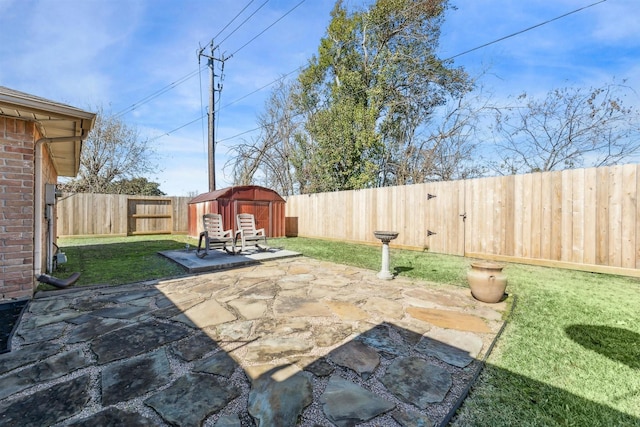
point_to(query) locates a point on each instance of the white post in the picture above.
(385, 274)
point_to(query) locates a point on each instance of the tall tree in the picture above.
(374, 83)
(569, 128)
(113, 151)
(137, 186)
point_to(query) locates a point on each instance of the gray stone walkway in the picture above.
(289, 342)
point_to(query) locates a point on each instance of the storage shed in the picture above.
(266, 205)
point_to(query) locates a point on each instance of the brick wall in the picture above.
(17, 139)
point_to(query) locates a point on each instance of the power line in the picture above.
(158, 93)
(243, 22)
(227, 105)
(263, 31)
(290, 72)
(251, 130)
(183, 79)
(177, 129)
(455, 56)
(234, 18)
(261, 88)
(525, 30)
(447, 59)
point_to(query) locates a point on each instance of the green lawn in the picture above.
(118, 260)
(569, 356)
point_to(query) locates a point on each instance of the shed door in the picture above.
(260, 211)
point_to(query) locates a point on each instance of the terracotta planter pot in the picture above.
(487, 281)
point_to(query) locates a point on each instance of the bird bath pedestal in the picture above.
(385, 237)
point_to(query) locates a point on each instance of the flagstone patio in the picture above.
(286, 342)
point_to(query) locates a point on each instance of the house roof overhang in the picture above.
(63, 124)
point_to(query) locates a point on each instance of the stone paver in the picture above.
(416, 381)
(220, 364)
(26, 355)
(450, 319)
(134, 377)
(289, 342)
(346, 404)
(92, 328)
(318, 367)
(45, 333)
(279, 403)
(268, 349)
(411, 419)
(49, 369)
(48, 406)
(250, 309)
(453, 347)
(347, 311)
(379, 338)
(356, 356)
(194, 347)
(228, 421)
(191, 398)
(207, 313)
(47, 306)
(125, 312)
(135, 339)
(114, 417)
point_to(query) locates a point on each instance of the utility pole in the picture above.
(212, 113)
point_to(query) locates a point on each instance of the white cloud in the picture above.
(618, 22)
(117, 52)
(59, 48)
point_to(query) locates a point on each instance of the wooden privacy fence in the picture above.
(586, 219)
(117, 214)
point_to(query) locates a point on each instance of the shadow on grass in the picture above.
(618, 344)
(507, 398)
(400, 270)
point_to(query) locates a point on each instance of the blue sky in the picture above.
(118, 52)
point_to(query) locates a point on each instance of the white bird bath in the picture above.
(385, 237)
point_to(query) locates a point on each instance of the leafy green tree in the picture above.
(136, 186)
(363, 111)
(375, 81)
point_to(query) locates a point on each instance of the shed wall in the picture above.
(268, 213)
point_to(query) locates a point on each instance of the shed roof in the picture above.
(240, 192)
(54, 120)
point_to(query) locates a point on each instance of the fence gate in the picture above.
(445, 217)
(149, 216)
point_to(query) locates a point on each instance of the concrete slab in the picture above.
(219, 260)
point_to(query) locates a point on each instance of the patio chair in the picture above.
(247, 232)
(213, 236)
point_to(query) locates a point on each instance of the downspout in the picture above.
(39, 213)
